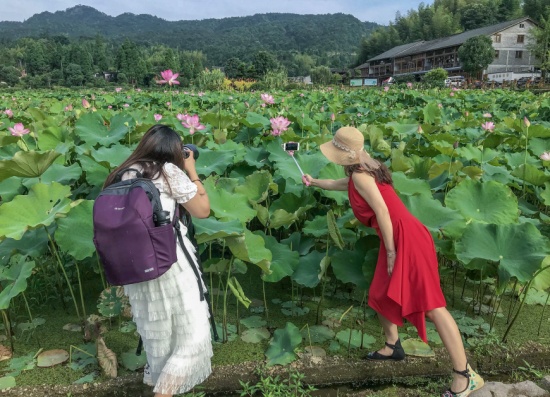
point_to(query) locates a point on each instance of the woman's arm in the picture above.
(366, 186)
(199, 205)
(328, 184)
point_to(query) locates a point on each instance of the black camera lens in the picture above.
(189, 147)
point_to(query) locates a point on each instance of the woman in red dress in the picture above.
(406, 280)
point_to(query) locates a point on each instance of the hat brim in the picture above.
(335, 155)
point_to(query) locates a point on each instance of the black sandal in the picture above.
(397, 355)
(475, 382)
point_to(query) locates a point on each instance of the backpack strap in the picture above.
(120, 173)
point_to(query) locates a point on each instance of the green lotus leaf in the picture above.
(431, 112)
(542, 281)
(516, 159)
(444, 147)
(317, 334)
(222, 119)
(403, 130)
(487, 202)
(86, 379)
(6, 382)
(286, 167)
(355, 339)
(284, 260)
(309, 268)
(535, 297)
(14, 280)
(545, 194)
(6, 140)
(470, 153)
(42, 206)
(209, 229)
(539, 131)
(250, 248)
(333, 171)
(227, 205)
(399, 162)
(110, 302)
(256, 186)
(75, 232)
(91, 129)
(255, 335)
(300, 243)
(539, 146)
(256, 156)
(131, 361)
(282, 346)
(55, 138)
(518, 249)
(10, 187)
(60, 173)
(18, 364)
(253, 322)
(280, 218)
(417, 348)
(531, 174)
(213, 161)
(434, 216)
(293, 204)
(318, 227)
(333, 230)
(96, 174)
(408, 187)
(27, 164)
(111, 156)
(347, 266)
(256, 120)
(237, 149)
(497, 174)
(34, 243)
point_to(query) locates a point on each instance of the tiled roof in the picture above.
(444, 42)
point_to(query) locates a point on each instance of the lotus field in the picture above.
(472, 165)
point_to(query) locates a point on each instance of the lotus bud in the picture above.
(526, 122)
(455, 145)
(420, 130)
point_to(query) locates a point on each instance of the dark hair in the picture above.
(159, 145)
(381, 175)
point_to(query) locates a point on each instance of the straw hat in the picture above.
(346, 148)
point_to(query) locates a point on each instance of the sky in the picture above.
(381, 11)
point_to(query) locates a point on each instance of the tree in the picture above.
(9, 75)
(231, 68)
(321, 75)
(263, 62)
(435, 77)
(74, 75)
(539, 44)
(508, 10)
(536, 9)
(476, 54)
(477, 15)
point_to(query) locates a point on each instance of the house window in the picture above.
(497, 53)
(519, 54)
(522, 25)
(521, 38)
(497, 38)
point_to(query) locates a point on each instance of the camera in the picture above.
(161, 218)
(189, 147)
(291, 146)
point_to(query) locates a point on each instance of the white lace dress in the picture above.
(170, 317)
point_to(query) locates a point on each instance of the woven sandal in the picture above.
(475, 382)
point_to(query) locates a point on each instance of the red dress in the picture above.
(414, 287)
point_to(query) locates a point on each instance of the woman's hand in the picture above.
(391, 262)
(307, 180)
(189, 162)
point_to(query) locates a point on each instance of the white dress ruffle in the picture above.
(170, 317)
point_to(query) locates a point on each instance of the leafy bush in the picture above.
(435, 78)
(210, 79)
(321, 75)
(275, 79)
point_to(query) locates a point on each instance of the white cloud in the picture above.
(381, 11)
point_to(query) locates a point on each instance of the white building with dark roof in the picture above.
(510, 41)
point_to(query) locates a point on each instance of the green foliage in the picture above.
(435, 77)
(210, 79)
(476, 54)
(275, 79)
(321, 75)
(275, 386)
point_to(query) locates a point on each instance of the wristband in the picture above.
(196, 180)
(391, 253)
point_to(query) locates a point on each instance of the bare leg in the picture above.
(163, 395)
(450, 335)
(390, 330)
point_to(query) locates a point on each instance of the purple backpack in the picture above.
(130, 246)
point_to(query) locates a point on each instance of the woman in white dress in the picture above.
(170, 312)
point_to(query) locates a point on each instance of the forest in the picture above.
(74, 47)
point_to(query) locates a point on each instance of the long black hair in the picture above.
(159, 145)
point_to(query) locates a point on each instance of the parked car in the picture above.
(455, 81)
(523, 81)
(388, 81)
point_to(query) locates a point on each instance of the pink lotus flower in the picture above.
(138, 90)
(545, 156)
(409, 85)
(9, 113)
(487, 115)
(332, 117)
(452, 94)
(268, 99)
(279, 125)
(118, 89)
(440, 106)
(455, 145)
(302, 94)
(359, 114)
(200, 94)
(182, 117)
(93, 97)
(157, 117)
(466, 113)
(526, 122)
(420, 130)
(488, 126)
(69, 107)
(454, 89)
(18, 130)
(386, 88)
(109, 107)
(85, 103)
(168, 77)
(126, 105)
(192, 122)
(168, 103)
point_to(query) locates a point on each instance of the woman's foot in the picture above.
(389, 352)
(465, 381)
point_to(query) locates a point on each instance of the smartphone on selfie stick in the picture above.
(290, 148)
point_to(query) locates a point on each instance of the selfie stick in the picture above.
(300, 168)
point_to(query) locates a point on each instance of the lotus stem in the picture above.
(224, 322)
(265, 302)
(80, 289)
(505, 337)
(525, 159)
(56, 253)
(100, 270)
(7, 325)
(511, 303)
(542, 314)
(27, 306)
